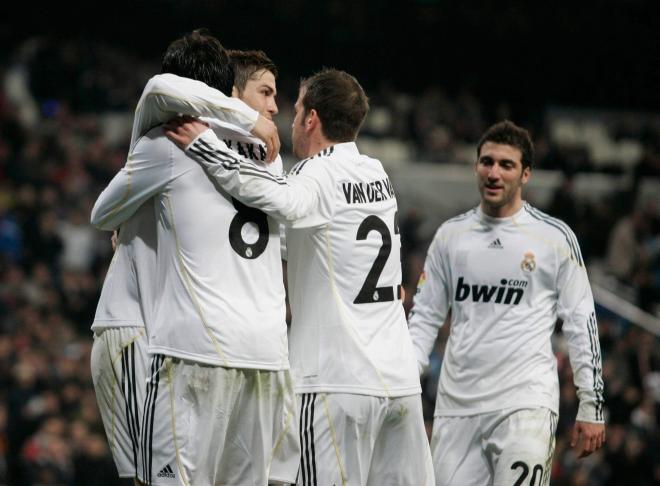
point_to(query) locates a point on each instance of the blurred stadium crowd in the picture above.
(65, 112)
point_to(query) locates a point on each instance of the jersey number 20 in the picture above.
(370, 292)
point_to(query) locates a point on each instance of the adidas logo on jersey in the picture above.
(496, 244)
(509, 292)
(166, 472)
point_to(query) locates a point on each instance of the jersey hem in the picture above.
(111, 323)
(355, 390)
(278, 479)
(216, 362)
(471, 411)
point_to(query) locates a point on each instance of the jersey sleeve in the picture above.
(167, 95)
(300, 200)
(146, 172)
(575, 306)
(431, 303)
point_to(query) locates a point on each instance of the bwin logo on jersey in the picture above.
(509, 292)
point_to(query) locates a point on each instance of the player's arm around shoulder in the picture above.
(146, 172)
(167, 95)
(288, 199)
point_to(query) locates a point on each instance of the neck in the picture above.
(316, 144)
(505, 211)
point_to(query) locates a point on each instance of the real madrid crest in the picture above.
(529, 262)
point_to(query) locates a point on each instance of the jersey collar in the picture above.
(500, 221)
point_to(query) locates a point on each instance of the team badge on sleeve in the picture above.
(529, 262)
(421, 282)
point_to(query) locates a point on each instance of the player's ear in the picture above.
(234, 92)
(526, 174)
(312, 120)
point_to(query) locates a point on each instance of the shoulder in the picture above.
(153, 144)
(457, 223)
(167, 81)
(451, 228)
(314, 164)
(157, 84)
(555, 230)
(460, 219)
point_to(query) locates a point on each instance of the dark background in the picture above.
(437, 71)
(589, 53)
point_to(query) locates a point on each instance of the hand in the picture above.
(182, 130)
(266, 131)
(114, 239)
(587, 437)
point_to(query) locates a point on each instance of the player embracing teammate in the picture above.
(217, 408)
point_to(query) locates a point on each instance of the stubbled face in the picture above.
(299, 136)
(259, 93)
(500, 176)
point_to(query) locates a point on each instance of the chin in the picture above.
(493, 202)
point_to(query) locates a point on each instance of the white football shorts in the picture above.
(208, 425)
(502, 448)
(360, 440)
(118, 362)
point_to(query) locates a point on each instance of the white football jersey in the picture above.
(506, 281)
(127, 294)
(349, 332)
(219, 295)
(165, 95)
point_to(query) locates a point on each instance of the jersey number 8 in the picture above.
(245, 215)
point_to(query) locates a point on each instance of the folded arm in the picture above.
(296, 201)
(167, 95)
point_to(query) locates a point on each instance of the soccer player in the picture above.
(172, 92)
(255, 81)
(505, 272)
(119, 360)
(219, 405)
(351, 355)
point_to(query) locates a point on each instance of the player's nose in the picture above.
(494, 172)
(272, 107)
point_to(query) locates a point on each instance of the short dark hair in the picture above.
(508, 133)
(340, 102)
(247, 63)
(200, 56)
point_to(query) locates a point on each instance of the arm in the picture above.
(430, 305)
(146, 172)
(166, 95)
(575, 306)
(296, 201)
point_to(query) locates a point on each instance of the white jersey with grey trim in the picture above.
(127, 295)
(219, 290)
(166, 95)
(348, 333)
(506, 282)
